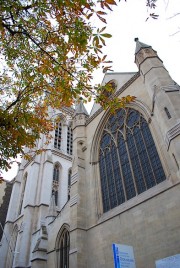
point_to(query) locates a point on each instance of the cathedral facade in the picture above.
(105, 178)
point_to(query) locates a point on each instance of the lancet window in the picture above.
(128, 159)
(69, 182)
(62, 250)
(55, 185)
(58, 136)
(12, 254)
(69, 140)
(22, 193)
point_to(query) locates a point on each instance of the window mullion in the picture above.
(113, 177)
(148, 156)
(107, 180)
(120, 167)
(127, 149)
(140, 162)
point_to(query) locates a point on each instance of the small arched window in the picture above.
(58, 136)
(128, 160)
(22, 193)
(62, 249)
(55, 185)
(69, 182)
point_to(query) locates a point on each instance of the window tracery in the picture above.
(55, 183)
(128, 159)
(62, 250)
(58, 136)
(69, 140)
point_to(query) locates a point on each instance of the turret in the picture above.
(80, 114)
(151, 66)
(164, 95)
(78, 188)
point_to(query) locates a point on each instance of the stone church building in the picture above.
(105, 178)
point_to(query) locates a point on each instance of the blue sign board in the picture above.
(123, 256)
(169, 262)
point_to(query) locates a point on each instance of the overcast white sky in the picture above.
(128, 21)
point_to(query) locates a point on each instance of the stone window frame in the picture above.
(58, 136)
(94, 162)
(62, 247)
(11, 258)
(69, 144)
(23, 189)
(127, 156)
(56, 177)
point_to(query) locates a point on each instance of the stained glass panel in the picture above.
(128, 160)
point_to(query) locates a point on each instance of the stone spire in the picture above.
(80, 108)
(164, 95)
(140, 45)
(143, 52)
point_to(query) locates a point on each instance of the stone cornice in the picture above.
(36, 206)
(74, 200)
(171, 88)
(29, 162)
(172, 133)
(74, 178)
(59, 153)
(68, 110)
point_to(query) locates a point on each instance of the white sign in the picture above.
(169, 262)
(123, 256)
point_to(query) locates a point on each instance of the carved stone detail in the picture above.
(172, 133)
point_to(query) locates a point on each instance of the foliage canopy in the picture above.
(49, 50)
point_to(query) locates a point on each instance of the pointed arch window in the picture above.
(22, 193)
(128, 159)
(58, 136)
(69, 140)
(12, 254)
(62, 249)
(55, 185)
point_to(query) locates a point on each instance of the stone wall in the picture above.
(5, 194)
(152, 228)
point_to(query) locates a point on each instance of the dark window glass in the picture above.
(167, 112)
(63, 250)
(69, 140)
(69, 183)
(128, 159)
(57, 138)
(55, 185)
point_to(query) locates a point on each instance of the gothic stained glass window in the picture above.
(128, 160)
(57, 138)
